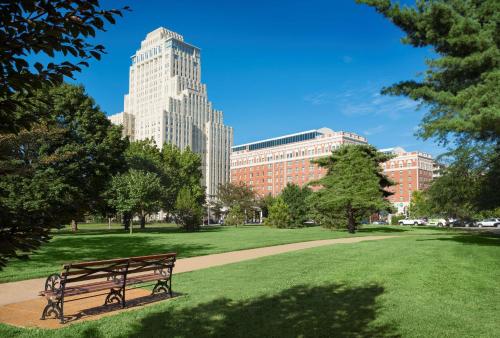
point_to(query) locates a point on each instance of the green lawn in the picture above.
(416, 286)
(93, 242)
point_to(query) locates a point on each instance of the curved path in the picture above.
(15, 292)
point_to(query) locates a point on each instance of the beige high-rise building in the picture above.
(167, 102)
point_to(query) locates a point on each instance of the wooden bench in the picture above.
(113, 275)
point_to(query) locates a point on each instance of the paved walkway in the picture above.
(16, 292)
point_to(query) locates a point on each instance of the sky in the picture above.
(279, 67)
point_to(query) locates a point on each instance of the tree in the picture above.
(136, 192)
(188, 209)
(240, 195)
(54, 28)
(56, 171)
(279, 214)
(460, 86)
(420, 205)
(295, 197)
(354, 186)
(235, 217)
(180, 168)
(264, 203)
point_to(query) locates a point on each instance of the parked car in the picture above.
(411, 222)
(440, 222)
(489, 222)
(380, 223)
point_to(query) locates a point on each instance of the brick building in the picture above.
(267, 166)
(410, 171)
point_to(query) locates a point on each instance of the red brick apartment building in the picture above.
(410, 171)
(267, 166)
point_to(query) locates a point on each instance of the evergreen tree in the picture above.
(460, 86)
(353, 188)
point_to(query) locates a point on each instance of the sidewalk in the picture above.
(15, 292)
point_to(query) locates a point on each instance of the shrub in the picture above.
(235, 217)
(396, 219)
(279, 215)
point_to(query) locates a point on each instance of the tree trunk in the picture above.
(109, 223)
(74, 226)
(143, 221)
(126, 220)
(351, 225)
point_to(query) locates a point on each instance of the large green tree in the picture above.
(57, 170)
(136, 192)
(460, 87)
(354, 186)
(30, 28)
(295, 197)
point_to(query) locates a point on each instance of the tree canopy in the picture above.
(57, 170)
(460, 86)
(55, 28)
(295, 197)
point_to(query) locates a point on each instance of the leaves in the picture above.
(49, 27)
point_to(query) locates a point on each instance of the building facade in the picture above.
(410, 171)
(267, 166)
(168, 103)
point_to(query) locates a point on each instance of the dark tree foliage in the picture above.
(295, 198)
(44, 27)
(231, 194)
(57, 170)
(460, 87)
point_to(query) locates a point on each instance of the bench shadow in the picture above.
(302, 311)
(483, 239)
(115, 307)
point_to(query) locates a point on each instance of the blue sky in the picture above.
(278, 67)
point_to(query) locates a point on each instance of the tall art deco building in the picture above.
(167, 102)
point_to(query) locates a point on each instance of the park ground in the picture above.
(425, 283)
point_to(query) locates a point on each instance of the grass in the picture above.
(95, 242)
(413, 286)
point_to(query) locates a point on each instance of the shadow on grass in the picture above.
(470, 239)
(385, 229)
(82, 248)
(302, 311)
(148, 230)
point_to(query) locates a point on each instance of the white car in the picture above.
(489, 222)
(411, 222)
(438, 222)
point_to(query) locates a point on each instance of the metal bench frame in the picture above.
(115, 275)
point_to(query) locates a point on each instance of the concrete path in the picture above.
(15, 292)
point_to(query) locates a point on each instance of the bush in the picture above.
(279, 215)
(188, 211)
(235, 217)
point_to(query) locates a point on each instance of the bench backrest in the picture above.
(117, 269)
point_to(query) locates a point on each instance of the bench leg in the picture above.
(165, 285)
(54, 308)
(117, 295)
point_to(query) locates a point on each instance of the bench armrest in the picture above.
(54, 283)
